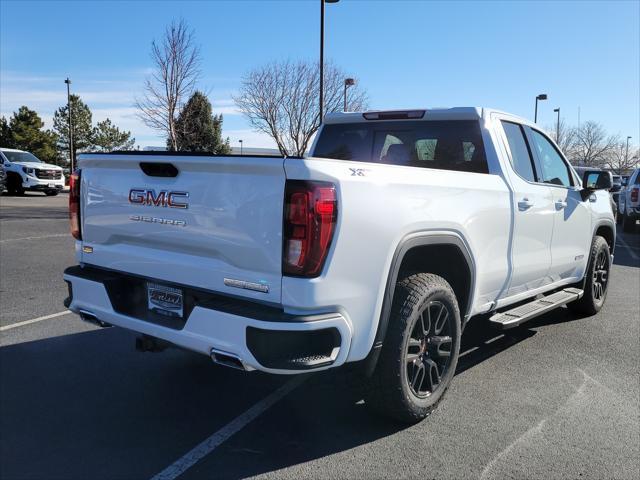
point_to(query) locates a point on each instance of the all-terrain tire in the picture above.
(389, 390)
(14, 184)
(594, 297)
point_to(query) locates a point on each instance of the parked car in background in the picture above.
(3, 178)
(614, 203)
(25, 171)
(616, 186)
(629, 202)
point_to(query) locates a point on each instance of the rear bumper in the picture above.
(634, 212)
(261, 338)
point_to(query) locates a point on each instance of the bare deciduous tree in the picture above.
(281, 100)
(564, 135)
(176, 69)
(620, 160)
(591, 145)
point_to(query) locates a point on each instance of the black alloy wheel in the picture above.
(601, 276)
(429, 349)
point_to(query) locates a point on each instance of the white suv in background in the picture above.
(25, 171)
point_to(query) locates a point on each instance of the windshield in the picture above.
(448, 145)
(21, 157)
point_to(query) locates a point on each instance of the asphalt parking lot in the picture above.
(556, 398)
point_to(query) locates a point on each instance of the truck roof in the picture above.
(425, 114)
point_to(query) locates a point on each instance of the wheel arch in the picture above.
(454, 263)
(13, 177)
(607, 230)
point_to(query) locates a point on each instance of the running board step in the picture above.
(518, 315)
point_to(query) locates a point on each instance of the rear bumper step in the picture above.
(516, 316)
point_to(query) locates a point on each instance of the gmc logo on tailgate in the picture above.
(164, 198)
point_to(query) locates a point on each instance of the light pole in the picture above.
(240, 147)
(626, 153)
(542, 96)
(348, 82)
(71, 159)
(321, 100)
(557, 110)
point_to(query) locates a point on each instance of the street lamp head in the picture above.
(67, 81)
(542, 96)
(349, 81)
(629, 137)
(557, 110)
(331, 1)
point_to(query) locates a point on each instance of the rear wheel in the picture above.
(420, 350)
(51, 193)
(597, 279)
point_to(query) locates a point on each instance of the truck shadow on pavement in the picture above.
(88, 405)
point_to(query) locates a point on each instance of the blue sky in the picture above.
(405, 53)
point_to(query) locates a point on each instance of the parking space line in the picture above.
(35, 238)
(207, 446)
(33, 320)
(628, 248)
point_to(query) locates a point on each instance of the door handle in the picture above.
(525, 204)
(560, 204)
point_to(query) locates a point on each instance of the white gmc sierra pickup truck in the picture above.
(378, 248)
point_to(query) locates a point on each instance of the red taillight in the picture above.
(74, 205)
(634, 194)
(310, 212)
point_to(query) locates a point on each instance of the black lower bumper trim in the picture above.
(43, 188)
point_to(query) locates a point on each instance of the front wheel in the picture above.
(14, 186)
(597, 279)
(51, 193)
(420, 351)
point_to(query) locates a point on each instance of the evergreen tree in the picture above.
(198, 130)
(6, 139)
(81, 122)
(26, 132)
(107, 137)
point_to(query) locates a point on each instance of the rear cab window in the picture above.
(447, 145)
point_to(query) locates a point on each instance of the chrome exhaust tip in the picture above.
(227, 359)
(91, 318)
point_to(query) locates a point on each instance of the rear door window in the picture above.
(520, 155)
(447, 145)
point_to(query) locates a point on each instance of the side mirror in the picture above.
(597, 180)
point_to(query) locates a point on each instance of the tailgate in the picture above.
(216, 225)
